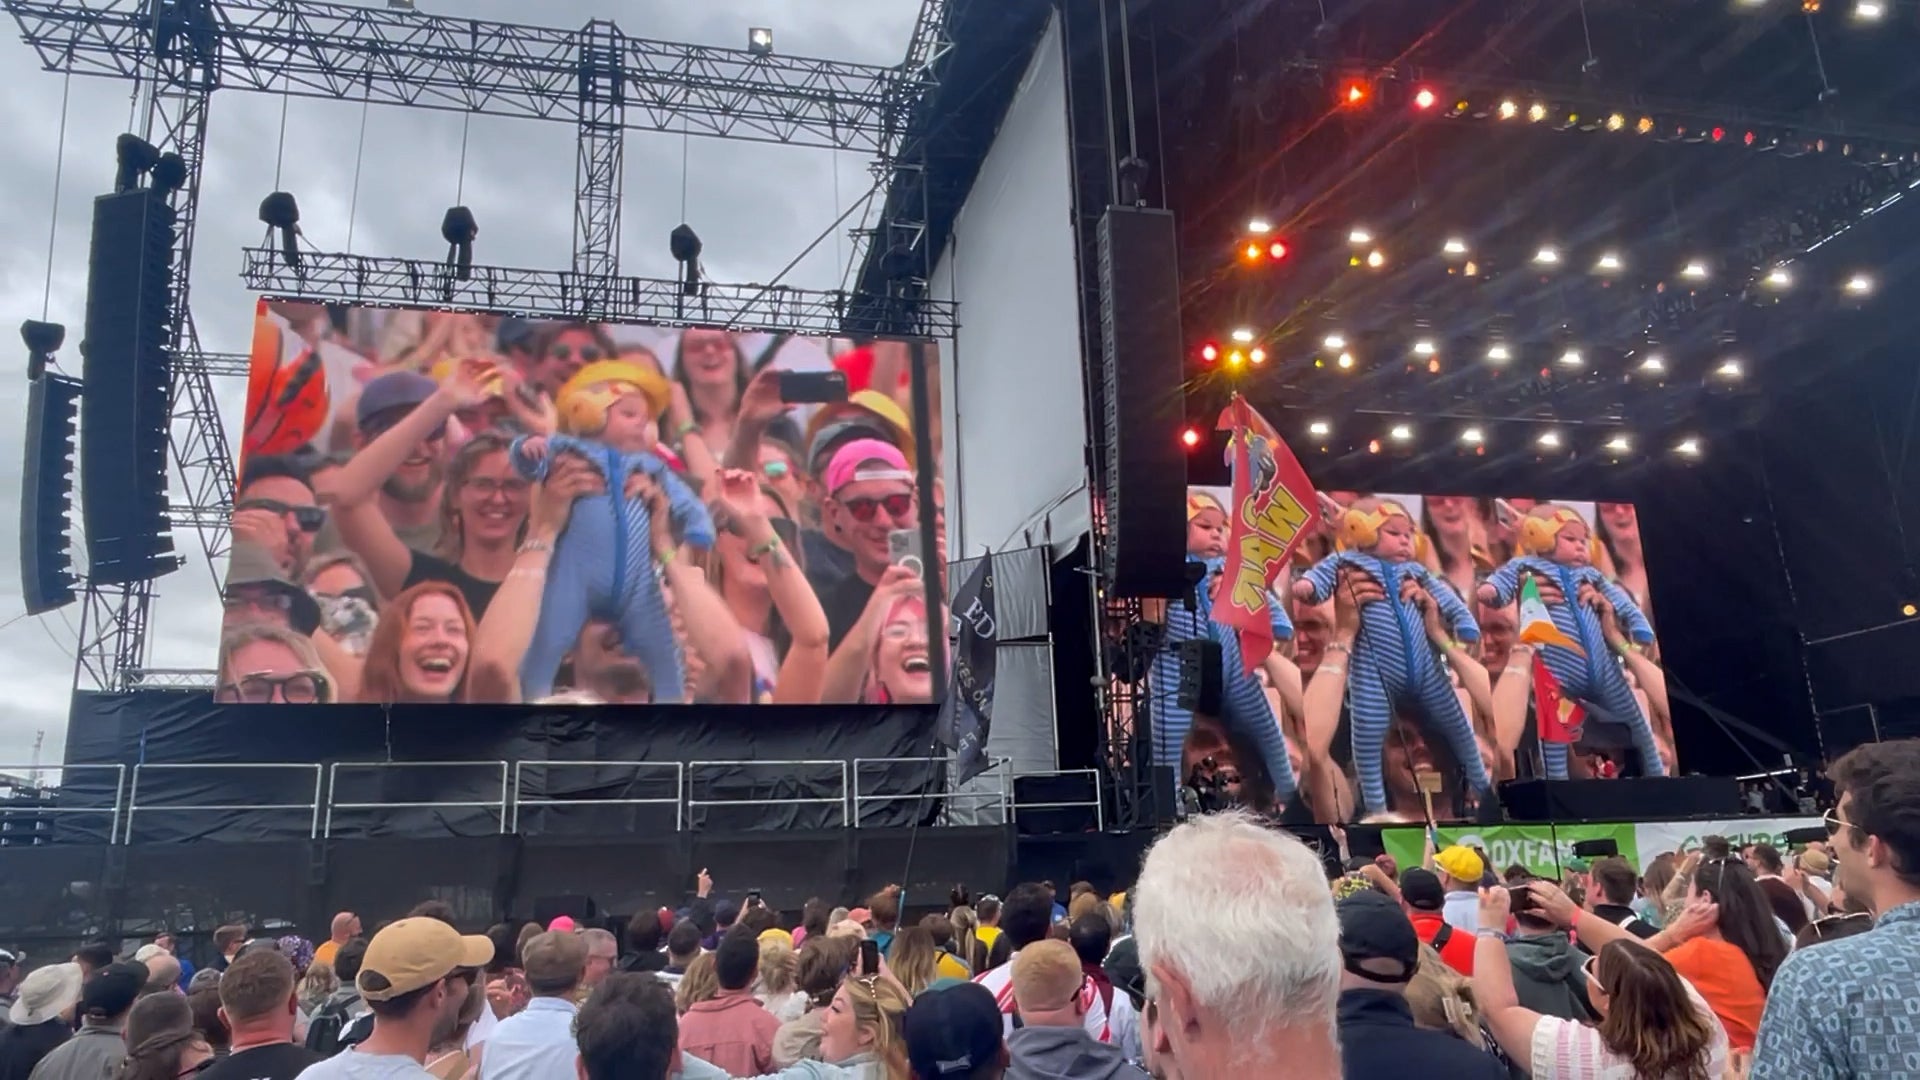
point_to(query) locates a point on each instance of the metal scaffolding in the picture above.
(605, 83)
(328, 278)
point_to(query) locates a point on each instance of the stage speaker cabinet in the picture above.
(1052, 803)
(126, 411)
(1145, 465)
(1200, 676)
(46, 494)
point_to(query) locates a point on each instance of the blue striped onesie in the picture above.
(1243, 702)
(602, 567)
(1393, 663)
(1594, 680)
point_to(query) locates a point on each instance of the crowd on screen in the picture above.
(439, 507)
(1236, 952)
(1459, 543)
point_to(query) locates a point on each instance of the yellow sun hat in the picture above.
(583, 399)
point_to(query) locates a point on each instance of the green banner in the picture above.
(1542, 849)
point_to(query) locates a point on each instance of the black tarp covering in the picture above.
(570, 751)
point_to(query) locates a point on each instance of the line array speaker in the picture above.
(126, 410)
(46, 494)
(1146, 467)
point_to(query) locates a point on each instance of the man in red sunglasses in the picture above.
(870, 494)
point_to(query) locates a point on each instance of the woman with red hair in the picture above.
(420, 648)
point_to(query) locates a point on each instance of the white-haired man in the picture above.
(1241, 951)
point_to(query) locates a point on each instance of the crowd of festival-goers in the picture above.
(1227, 957)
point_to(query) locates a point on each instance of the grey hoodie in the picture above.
(1066, 1053)
(1547, 975)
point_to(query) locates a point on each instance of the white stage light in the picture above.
(1401, 433)
(1499, 354)
(1609, 263)
(1334, 341)
(1859, 284)
(1242, 335)
(1319, 427)
(1259, 226)
(1423, 347)
(1547, 256)
(1346, 360)
(1729, 369)
(1694, 271)
(1359, 237)
(1376, 258)
(1473, 436)
(1454, 246)
(1688, 447)
(1550, 440)
(1779, 278)
(1869, 10)
(1654, 365)
(1572, 358)
(1619, 444)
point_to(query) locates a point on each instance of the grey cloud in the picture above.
(755, 206)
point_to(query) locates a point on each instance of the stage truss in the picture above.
(604, 82)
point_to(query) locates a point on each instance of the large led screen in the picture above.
(440, 507)
(1347, 665)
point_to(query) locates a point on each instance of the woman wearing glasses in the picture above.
(262, 664)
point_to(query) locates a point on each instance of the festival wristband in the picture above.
(1335, 646)
(531, 545)
(666, 557)
(1623, 648)
(685, 428)
(761, 551)
(1490, 934)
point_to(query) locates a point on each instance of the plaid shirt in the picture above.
(1847, 1008)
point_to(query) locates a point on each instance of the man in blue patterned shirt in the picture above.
(1851, 1007)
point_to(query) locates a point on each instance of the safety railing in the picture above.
(986, 800)
(498, 806)
(311, 808)
(32, 802)
(1094, 799)
(341, 790)
(844, 799)
(673, 769)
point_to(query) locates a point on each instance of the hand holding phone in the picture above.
(903, 549)
(869, 957)
(813, 387)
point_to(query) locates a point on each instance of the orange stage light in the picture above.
(1190, 437)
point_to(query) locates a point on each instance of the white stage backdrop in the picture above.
(1014, 394)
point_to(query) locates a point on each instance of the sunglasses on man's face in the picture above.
(565, 353)
(1831, 819)
(377, 426)
(309, 518)
(865, 510)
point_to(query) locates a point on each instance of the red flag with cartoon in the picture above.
(1558, 716)
(1271, 508)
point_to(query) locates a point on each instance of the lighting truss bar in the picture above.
(1451, 86)
(184, 679)
(393, 57)
(550, 294)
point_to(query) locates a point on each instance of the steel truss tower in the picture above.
(178, 52)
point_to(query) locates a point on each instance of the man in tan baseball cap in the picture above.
(404, 980)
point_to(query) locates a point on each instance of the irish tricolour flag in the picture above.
(1536, 624)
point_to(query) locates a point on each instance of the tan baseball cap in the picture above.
(412, 953)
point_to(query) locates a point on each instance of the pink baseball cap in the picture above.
(866, 459)
(563, 925)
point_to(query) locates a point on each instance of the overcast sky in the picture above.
(755, 206)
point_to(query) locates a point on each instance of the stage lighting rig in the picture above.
(169, 175)
(281, 213)
(1133, 180)
(135, 157)
(760, 40)
(43, 340)
(686, 247)
(458, 229)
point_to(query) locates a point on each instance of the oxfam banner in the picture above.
(1684, 836)
(1542, 849)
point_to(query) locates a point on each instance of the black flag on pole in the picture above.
(967, 713)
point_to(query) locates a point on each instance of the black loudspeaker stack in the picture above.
(126, 410)
(46, 494)
(1200, 677)
(1146, 467)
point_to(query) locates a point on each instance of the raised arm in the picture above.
(1500, 585)
(505, 631)
(1510, 1023)
(1453, 610)
(848, 666)
(1632, 619)
(1318, 582)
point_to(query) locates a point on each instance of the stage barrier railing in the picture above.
(989, 799)
(499, 806)
(312, 808)
(32, 804)
(688, 787)
(678, 801)
(1094, 800)
(844, 800)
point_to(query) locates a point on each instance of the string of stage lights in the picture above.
(1389, 435)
